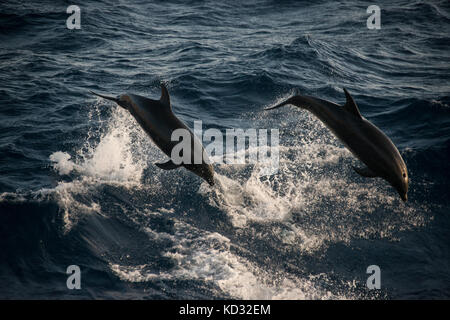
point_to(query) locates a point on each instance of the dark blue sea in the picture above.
(78, 184)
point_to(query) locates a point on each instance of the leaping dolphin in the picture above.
(368, 143)
(159, 122)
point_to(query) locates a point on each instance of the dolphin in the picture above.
(159, 122)
(367, 142)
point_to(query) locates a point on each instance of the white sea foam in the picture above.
(62, 162)
(315, 207)
(117, 155)
(115, 152)
(208, 257)
(305, 206)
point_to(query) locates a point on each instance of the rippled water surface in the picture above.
(78, 184)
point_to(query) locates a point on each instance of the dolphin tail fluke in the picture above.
(105, 97)
(288, 101)
(295, 98)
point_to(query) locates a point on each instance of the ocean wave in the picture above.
(78, 184)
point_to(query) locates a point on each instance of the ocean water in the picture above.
(78, 184)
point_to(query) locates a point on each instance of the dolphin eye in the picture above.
(404, 175)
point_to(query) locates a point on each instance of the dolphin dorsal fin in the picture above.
(165, 99)
(350, 105)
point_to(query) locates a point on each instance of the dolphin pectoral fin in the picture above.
(365, 172)
(169, 165)
(350, 105)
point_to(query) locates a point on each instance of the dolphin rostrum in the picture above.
(159, 122)
(368, 143)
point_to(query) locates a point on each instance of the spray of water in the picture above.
(309, 204)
